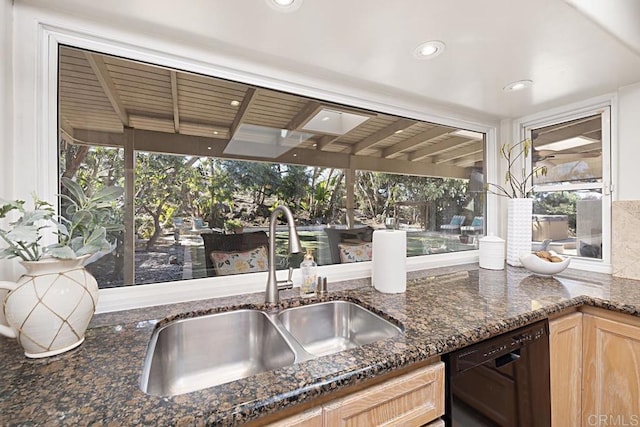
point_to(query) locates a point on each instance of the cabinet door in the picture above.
(611, 357)
(565, 350)
(411, 399)
(310, 418)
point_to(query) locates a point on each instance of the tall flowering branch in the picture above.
(516, 185)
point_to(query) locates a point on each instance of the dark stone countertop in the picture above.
(442, 310)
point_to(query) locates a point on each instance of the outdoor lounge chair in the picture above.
(477, 226)
(454, 225)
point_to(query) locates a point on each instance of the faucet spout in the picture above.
(272, 292)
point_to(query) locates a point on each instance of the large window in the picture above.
(572, 201)
(206, 160)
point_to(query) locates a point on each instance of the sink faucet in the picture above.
(272, 292)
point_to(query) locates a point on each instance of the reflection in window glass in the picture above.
(569, 221)
(571, 151)
(212, 159)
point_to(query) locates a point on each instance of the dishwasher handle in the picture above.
(507, 358)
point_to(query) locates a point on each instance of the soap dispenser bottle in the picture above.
(309, 274)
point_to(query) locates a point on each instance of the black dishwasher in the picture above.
(502, 381)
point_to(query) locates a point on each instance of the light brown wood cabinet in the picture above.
(565, 349)
(595, 369)
(310, 418)
(412, 399)
(611, 376)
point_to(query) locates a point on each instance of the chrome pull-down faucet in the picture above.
(272, 292)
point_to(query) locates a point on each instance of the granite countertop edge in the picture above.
(441, 311)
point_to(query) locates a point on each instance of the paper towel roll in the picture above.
(389, 260)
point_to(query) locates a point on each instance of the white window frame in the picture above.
(605, 106)
(38, 35)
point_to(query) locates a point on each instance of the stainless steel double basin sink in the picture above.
(200, 352)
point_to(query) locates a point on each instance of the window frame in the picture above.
(605, 106)
(44, 114)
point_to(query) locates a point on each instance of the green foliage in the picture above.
(81, 231)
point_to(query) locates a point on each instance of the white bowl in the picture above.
(541, 267)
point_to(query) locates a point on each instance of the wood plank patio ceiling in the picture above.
(104, 94)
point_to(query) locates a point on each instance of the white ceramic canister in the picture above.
(492, 253)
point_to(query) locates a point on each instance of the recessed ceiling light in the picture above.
(398, 131)
(284, 5)
(429, 50)
(518, 85)
(209, 148)
(235, 103)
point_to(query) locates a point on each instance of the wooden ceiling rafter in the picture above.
(305, 114)
(108, 86)
(459, 153)
(420, 138)
(434, 149)
(174, 99)
(548, 136)
(381, 134)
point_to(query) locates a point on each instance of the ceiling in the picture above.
(571, 49)
(176, 112)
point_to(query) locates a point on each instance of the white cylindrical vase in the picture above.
(519, 213)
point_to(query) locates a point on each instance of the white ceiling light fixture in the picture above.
(429, 50)
(235, 103)
(518, 85)
(284, 5)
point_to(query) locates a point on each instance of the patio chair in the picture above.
(454, 225)
(477, 226)
(238, 245)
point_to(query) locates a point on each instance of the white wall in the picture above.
(628, 156)
(6, 105)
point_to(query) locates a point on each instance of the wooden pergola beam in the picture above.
(555, 135)
(304, 115)
(187, 145)
(459, 153)
(175, 101)
(249, 98)
(420, 138)
(436, 148)
(102, 74)
(382, 134)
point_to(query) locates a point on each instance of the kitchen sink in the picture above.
(330, 327)
(200, 352)
(196, 353)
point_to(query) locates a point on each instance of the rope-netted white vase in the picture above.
(518, 229)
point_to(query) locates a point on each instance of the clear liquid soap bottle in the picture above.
(309, 275)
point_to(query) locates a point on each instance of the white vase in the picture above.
(519, 213)
(49, 308)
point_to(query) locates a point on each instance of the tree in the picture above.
(159, 181)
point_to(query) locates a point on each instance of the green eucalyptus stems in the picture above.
(517, 185)
(82, 231)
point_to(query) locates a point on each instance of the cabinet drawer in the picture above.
(412, 399)
(310, 418)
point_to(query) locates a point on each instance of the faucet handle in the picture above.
(286, 284)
